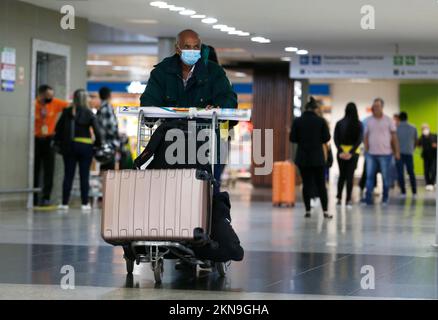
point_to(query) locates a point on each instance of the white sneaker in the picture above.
(86, 207)
(429, 187)
(63, 207)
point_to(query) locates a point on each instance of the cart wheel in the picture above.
(158, 268)
(129, 265)
(220, 267)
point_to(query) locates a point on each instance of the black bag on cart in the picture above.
(157, 147)
(227, 246)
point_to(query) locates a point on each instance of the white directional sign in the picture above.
(374, 66)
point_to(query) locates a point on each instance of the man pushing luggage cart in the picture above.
(168, 213)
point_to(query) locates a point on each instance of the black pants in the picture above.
(430, 170)
(346, 175)
(45, 160)
(81, 153)
(314, 176)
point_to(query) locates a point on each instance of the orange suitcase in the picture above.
(283, 184)
(142, 205)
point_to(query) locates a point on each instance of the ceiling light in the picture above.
(243, 34)
(143, 21)
(235, 32)
(288, 59)
(198, 16)
(175, 8)
(260, 40)
(220, 26)
(209, 20)
(257, 39)
(187, 12)
(158, 4)
(122, 68)
(228, 29)
(99, 63)
(291, 49)
(302, 52)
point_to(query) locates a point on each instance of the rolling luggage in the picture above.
(283, 184)
(142, 205)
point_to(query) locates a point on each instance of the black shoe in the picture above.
(338, 202)
(307, 215)
(327, 215)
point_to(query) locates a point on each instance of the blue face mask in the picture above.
(190, 57)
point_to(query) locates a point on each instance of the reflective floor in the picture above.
(364, 252)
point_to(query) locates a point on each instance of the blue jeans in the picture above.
(375, 162)
(408, 161)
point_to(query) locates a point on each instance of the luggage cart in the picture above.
(154, 252)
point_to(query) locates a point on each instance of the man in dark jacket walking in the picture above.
(186, 80)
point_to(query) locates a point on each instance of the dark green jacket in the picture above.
(208, 86)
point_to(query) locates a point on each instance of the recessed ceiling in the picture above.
(317, 25)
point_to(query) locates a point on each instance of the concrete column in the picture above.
(166, 48)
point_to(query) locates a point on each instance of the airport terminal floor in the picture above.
(286, 255)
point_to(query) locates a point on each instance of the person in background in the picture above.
(310, 133)
(396, 119)
(381, 144)
(47, 111)
(348, 137)
(428, 144)
(74, 142)
(393, 171)
(407, 137)
(108, 123)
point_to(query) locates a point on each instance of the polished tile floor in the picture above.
(286, 255)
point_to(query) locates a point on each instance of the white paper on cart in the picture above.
(161, 112)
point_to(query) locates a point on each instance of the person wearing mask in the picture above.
(47, 111)
(348, 137)
(381, 144)
(428, 144)
(73, 140)
(310, 133)
(108, 123)
(190, 78)
(186, 80)
(407, 137)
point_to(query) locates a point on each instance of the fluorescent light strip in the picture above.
(187, 12)
(302, 52)
(291, 49)
(198, 16)
(99, 63)
(209, 20)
